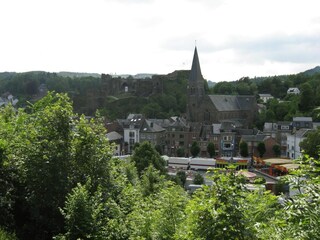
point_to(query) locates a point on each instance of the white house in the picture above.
(293, 91)
(265, 97)
(293, 142)
(116, 139)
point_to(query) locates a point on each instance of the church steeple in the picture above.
(195, 73)
(195, 94)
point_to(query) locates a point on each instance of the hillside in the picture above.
(90, 91)
(78, 74)
(312, 71)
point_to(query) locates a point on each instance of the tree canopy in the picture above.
(59, 180)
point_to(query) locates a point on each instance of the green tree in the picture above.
(151, 110)
(223, 88)
(311, 144)
(81, 214)
(261, 149)
(276, 150)
(306, 97)
(91, 154)
(300, 217)
(158, 149)
(151, 181)
(145, 155)
(195, 149)
(215, 212)
(244, 149)
(4, 235)
(171, 202)
(46, 152)
(158, 216)
(180, 152)
(211, 149)
(198, 179)
(182, 177)
(48, 163)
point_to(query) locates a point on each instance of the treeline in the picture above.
(59, 180)
(88, 96)
(284, 106)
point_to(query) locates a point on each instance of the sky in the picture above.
(234, 38)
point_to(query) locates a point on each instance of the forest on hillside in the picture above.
(59, 181)
(88, 97)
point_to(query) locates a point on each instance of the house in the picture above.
(178, 136)
(265, 97)
(293, 91)
(302, 122)
(116, 139)
(153, 133)
(253, 141)
(227, 141)
(293, 142)
(270, 128)
(284, 126)
(7, 98)
(131, 131)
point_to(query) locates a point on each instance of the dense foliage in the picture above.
(59, 179)
(88, 93)
(284, 106)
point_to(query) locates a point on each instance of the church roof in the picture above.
(232, 102)
(195, 73)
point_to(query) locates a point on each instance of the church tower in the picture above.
(195, 89)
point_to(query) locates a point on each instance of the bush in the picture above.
(198, 179)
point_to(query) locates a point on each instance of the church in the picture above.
(210, 109)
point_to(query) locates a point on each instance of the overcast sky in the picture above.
(234, 38)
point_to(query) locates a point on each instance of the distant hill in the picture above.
(78, 74)
(312, 71)
(211, 84)
(136, 76)
(6, 75)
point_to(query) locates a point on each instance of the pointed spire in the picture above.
(195, 74)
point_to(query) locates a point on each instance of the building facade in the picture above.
(210, 109)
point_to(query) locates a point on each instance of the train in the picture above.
(206, 163)
(191, 163)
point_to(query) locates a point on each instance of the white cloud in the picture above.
(234, 38)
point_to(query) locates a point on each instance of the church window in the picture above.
(206, 116)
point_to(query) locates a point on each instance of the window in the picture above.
(131, 134)
(227, 138)
(181, 136)
(227, 145)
